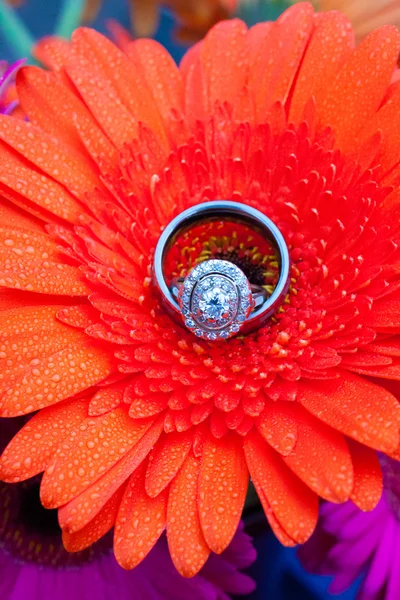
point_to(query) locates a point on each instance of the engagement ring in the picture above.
(216, 300)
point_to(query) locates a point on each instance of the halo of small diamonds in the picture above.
(215, 300)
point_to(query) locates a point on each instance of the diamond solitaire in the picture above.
(215, 300)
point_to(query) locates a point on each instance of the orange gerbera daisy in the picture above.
(141, 425)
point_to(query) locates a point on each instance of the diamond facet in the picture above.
(215, 301)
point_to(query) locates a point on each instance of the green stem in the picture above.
(13, 30)
(69, 18)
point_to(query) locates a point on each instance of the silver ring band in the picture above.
(223, 210)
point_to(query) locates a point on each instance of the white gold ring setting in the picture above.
(216, 301)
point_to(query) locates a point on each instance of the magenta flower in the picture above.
(349, 543)
(8, 99)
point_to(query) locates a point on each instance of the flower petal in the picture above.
(52, 51)
(386, 313)
(187, 546)
(57, 160)
(331, 44)
(161, 74)
(16, 218)
(367, 490)
(50, 103)
(293, 505)
(99, 526)
(223, 483)
(30, 188)
(23, 361)
(359, 88)
(224, 62)
(105, 78)
(321, 458)
(57, 377)
(79, 512)
(89, 451)
(140, 521)
(284, 44)
(360, 409)
(32, 449)
(107, 399)
(31, 261)
(166, 459)
(278, 426)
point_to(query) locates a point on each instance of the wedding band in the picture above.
(215, 300)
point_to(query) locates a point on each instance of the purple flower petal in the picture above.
(381, 563)
(349, 543)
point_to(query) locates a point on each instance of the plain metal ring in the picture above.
(225, 210)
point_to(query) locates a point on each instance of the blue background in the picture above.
(277, 571)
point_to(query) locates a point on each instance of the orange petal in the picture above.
(223, 62)
(79, 316)
(31, 261)
(42, 94)
(106, 399)
(187, 546)
(367, 490)
(99, 526)
(32, 186)
(146, 406)
(52, 52)
(278, 530)
(293, 505)
(331, 44)
(223, 483)
(321, 458)
(278, 425)
(104, 104)
(161, 74)
(25, 243)
(386, 313)
(53, 106)
(57, 377)
(12, 298)
(391, 372)
(140, 522)
(166, 459)
(347, 105)
(23, 325)
(79, 512)
(271, 78)
(58, 160)
(14, 217)
(360, 409)
(32, 449)
(195, 91)
(386, 121)
(87, 454)
(32, 321)
(32, 274)
(123, 91)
